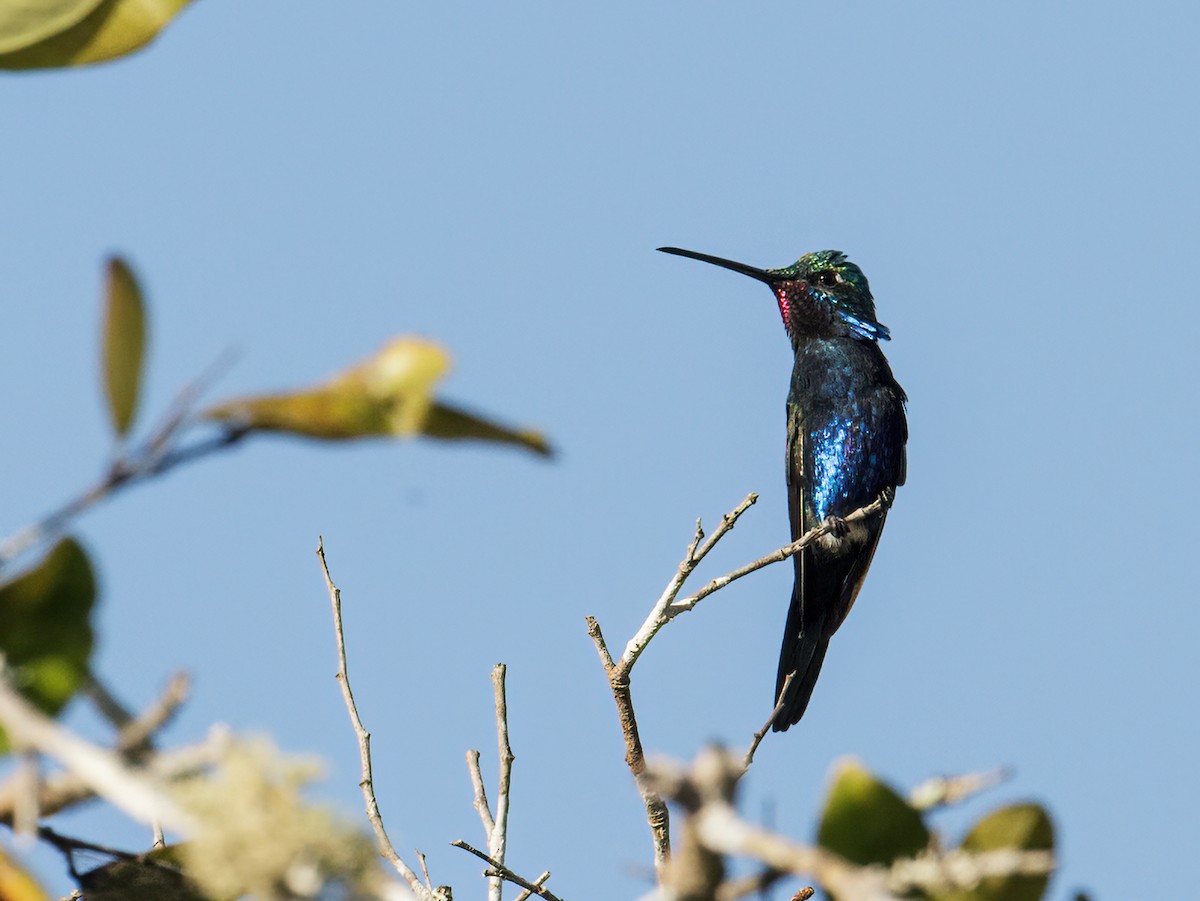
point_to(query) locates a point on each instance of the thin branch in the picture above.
(659, 614)
(498, 838)
(480, 801)
(424, 870)
(503, 872)
(154, 457)
(942, 791)
(66, 844)
(117, 714)
(656, 809)
(526, 894)
(761, 733)
(364, 740)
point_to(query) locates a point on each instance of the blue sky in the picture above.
(301, 182)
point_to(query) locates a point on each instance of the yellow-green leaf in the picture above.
(80, 33)
(26, 22)
(453, 423)
(16, 884)
(45, 627)
(389, 394)
(1024, 827)
(867, 821)
(124, 344)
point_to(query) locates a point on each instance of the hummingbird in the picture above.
(846, 432)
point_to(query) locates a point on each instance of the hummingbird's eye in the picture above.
(826, 279)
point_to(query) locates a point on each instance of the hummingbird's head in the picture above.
(822, 294)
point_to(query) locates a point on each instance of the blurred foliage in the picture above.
(156, 874)
(388, 394)
(124, 344)
(16, 884)
(1023, 827)
(257, 835)
(39, 34)
(868, 822)
(45, 628)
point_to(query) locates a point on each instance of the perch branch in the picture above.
(777, 556)
(666, 608)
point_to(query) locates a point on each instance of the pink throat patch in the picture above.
(783, 295)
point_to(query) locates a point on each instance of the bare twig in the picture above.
(495, 829)
(498, 839)
(761, 733)
(424, 870)
(364, 741)
(526, 894)
(117, 714)
(480, 800)
(154, 457)
(635, 757)
(503, 872)
(67, 844)
(659, 614)
(942, 791)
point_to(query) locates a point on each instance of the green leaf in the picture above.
(124, 344)
(39, 34)
(868, 822)
(389, 394)
(45, 629)
(1025, 827)
(452, 423)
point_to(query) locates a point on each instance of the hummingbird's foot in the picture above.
(837, 526)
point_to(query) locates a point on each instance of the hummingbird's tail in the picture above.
(802, 653)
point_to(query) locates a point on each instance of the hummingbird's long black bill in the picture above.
(763, 275)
